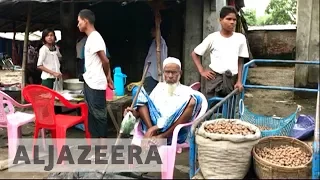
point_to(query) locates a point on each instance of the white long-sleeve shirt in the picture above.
(152, 57)
(50, 60)
(168, 105)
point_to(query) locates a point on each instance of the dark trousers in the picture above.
(80, 64)
(48, 82)
(34, 73)
(97, 115)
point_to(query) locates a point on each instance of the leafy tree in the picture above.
(262, 20)
(250, 16)
(281, 12)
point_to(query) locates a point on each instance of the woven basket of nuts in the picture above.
(281, 157)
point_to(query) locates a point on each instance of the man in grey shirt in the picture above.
(152, 76)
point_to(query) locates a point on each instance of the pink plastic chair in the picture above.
(168, 153)
(195, 86)
(13, 120)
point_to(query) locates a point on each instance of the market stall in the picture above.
(229, 136)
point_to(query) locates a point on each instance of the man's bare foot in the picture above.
(151, 132)
(156, 140)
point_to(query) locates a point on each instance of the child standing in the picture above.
(227, 50)
(48, 61)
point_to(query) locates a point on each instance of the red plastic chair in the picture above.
(42, 100)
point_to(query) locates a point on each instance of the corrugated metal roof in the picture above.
(272, 27)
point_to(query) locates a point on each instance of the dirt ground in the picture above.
(274, 102)
(264, 102)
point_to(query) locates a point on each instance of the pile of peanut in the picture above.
(228, 128)
(263, 128)
(284, 155)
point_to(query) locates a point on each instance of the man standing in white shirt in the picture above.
(152, 76)
(227, 50)
(97, 76)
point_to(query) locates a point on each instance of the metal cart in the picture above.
(316, 143)
(229, 106)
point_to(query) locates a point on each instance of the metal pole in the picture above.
(316, 143)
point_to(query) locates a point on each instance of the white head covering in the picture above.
(171, 60)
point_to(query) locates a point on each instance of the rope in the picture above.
(131, 85)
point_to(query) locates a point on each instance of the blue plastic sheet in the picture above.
(304, 127)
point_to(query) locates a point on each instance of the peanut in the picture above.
(264, 128)
(230, 128)
(284, 155)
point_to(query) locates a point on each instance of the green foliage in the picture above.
(250, 16)
(281, 12)
(278, 12)
(262, 20)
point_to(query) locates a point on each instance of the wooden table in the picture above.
(117, 105)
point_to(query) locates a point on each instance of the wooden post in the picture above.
(25, 49)
(158, 42)
(68, 18)
(13, 45)
(158, 5)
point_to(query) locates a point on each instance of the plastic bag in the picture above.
(127, 124)
(80, 126)
(303, 128)
(58, 85)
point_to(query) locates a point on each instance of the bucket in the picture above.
(109, 93)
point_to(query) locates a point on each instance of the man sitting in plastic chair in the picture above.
(169, 104)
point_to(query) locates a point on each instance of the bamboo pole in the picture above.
(158, 5)
(25, 49)
(158, 42)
